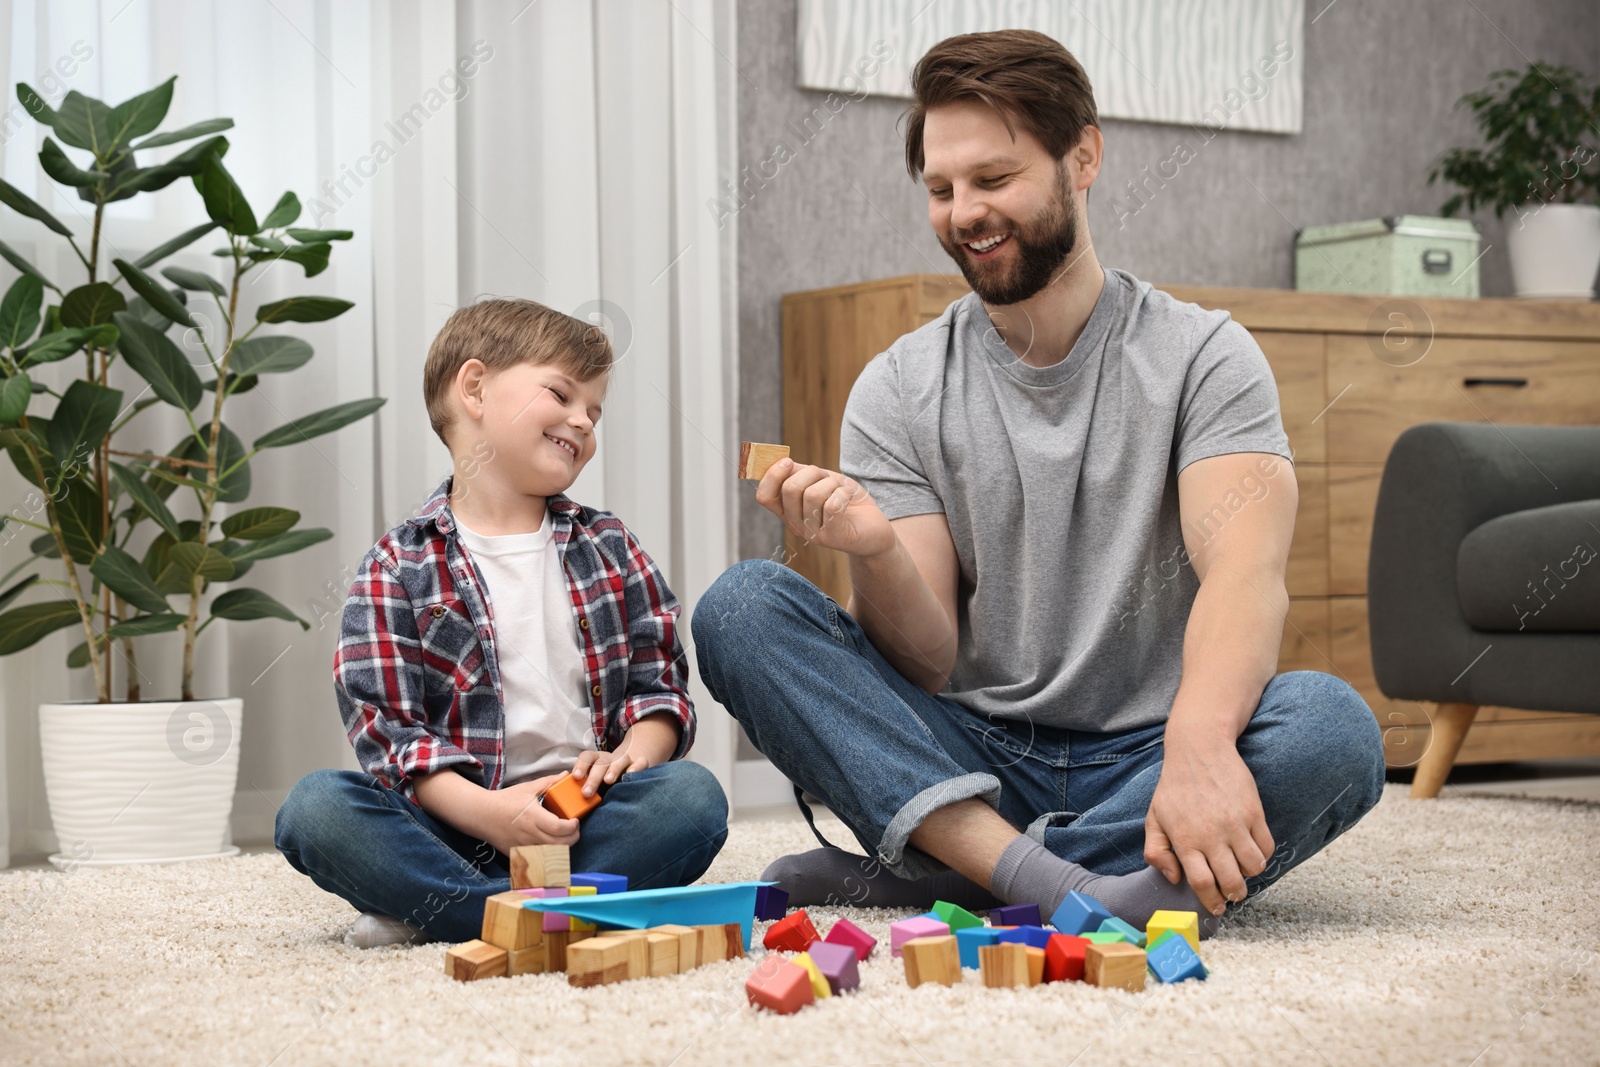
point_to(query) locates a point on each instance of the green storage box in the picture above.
(1410, 255)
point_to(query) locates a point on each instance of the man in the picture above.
(1067, 506)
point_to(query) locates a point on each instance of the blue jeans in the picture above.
(359, 839)
(819, 700)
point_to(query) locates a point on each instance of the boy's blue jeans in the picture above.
(819, 700)
(359, 839)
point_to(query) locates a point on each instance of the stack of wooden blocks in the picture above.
(518, 940)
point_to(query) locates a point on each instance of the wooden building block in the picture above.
(772, 903)
(914, 927)
(556, 943)
(1064, 958)
(780, 985)
(573, 921)
(688, 944)
(838, 964)
(525, 960)
(792, 933)
(931, 959)
(845, 932)
(539, 866)
(1078, 914)
(1173, 959)
(1186, 923)
(755, 459)
(1035, 964)
(1015, 915)
(955, 916)
(601, 883)
(1003, 966)
(663, 954)
(819, 982)
(1114, 966)
(471, 960)
(720, 942)
(508, 925)
(565, 798)
(1130, 933)
(971, 939)
(603, 960)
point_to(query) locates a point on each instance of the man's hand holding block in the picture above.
(754, 459)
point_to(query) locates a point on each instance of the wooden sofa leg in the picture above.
(1450, 725)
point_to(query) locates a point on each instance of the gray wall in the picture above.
(1379, 80)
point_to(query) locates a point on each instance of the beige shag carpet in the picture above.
(1464, 931)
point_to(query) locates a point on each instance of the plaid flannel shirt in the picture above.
(416, 672)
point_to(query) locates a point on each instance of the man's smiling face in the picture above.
(1003, 209)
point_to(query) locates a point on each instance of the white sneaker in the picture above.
(372, 930)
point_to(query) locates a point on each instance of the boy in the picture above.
(501, 637)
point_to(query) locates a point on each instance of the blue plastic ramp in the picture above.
(695, 905)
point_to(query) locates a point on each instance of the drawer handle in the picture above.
(1515, 383)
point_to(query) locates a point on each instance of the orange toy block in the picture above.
(540, 867)
(1117, 965)
(565, 798)
(931, 959)
(755, 459)
(472, 960)
(779, 985)
(1005, 965)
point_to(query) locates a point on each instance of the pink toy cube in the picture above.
(845, 932)
(837, 964)
(919, 926)
(554, 922)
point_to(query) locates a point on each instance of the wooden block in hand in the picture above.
(509, 925)
(1117, 965)
(931, 959)
(540, 866)
(471, 960)
(688, 944)
(1003, 966)
(754, 459)
(565, 798)
(603, 960)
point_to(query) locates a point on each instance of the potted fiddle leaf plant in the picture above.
(128, 543)
(1538, 160)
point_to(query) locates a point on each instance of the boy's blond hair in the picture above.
(502, 333)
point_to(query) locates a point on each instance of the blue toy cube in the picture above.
(771, 903)
(970, 939)
(1173, 959)
(1015, 915)
(1134, 935)
(602, 883)
(1079, 914)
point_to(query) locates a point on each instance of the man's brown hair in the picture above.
(1024, 75)
(502, 333)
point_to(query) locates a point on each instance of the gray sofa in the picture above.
(1483, 584)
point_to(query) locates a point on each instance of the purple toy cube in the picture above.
(772, 903)
(602, 883)
(1015, 915)
(919, 926)
(845, 932)
(837, 964)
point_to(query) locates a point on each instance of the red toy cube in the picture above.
(793, 933)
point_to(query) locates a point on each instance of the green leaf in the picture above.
(15, 258)
(169, 481)
(234, 486)
(15, 392)
(19, 311)
(314, 258)
(314, 236)
(84, 122)
(24, 626)
(252, 604)
(268, 355)
(203, 560)
(123, 575)
(187, 133)
(253, 524)
(122, 174)
(78, 509)
(35, 105)
(224, 199)
(268, 547)
(91, 305)
(129, 179)
(58, 344)
(284, 212)
(140, 114)
(17, 590)
(140, 309)
(144, 625)
(303, 309)
(79, 656)
(183, 240)
(145, 497)
(156, 359)
(154, 293)
(267, 244)
(55, 163)
(22, 204)
(81, 421)
(45, 546)
(237, 383)
(319, 422)
(194, 281)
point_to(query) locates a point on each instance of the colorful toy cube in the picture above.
(1105, 937)
(772, 903)
(793, 933)
(582, 891)
(1173, 959)
(955, 916)
(1064, 958)
(845, 932)
(819, 982)
(914, 927)
(1186, 923)
(602, 883)
(971, 939)
(780, 985)
(838, 964)
(1130, 933)
(1079, 913)
(1015, 915)
(565, 798)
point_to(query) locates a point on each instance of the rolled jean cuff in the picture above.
(913, 863)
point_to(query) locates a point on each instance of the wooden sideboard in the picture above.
(1353, 371)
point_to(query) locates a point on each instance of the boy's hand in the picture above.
(517, 818)
(595, 769)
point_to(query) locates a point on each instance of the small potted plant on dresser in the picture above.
(1539, 129)
(140, 779)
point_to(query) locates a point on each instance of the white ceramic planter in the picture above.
(140, 783)
(1555, 251)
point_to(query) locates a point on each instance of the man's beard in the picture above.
(1043, 245)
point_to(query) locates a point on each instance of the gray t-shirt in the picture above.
(1060, 485)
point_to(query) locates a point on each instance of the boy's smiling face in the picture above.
(538, 421)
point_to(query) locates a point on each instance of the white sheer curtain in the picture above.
(561, 151)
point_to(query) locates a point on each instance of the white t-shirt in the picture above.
(542, 680)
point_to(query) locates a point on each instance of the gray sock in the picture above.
(832, 876)
(1029, 873)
